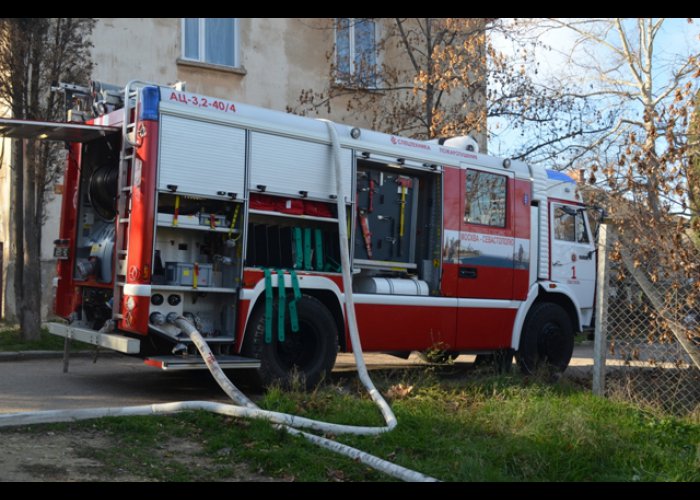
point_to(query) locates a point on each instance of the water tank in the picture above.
(390, 286)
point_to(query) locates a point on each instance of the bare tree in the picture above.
(440, 77)
(34, 54)
(642, 167)
(617, 66)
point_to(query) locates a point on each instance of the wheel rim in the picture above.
(300, 349)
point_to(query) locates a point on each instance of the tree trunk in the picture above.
(17, 247)
(31, 307)
(35, 53)
(430, 86)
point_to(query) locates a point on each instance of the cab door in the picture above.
(487, 240)
(486, 260)
(572, 255)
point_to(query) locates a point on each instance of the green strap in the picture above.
(281, 306)
(293, 316)
(295, 284)
(296, 235)
(318, 236)
(332, 266)
(268, 306)
(307, 249)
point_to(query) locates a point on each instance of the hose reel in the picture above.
(102, 191)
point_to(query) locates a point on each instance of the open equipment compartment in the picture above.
(292, 233)
(196, 263)
(398, 226)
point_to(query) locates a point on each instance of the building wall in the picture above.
(278, 58)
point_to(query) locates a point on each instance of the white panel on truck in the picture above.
(287, 166)
(200, 157)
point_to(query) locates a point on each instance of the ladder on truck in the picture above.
(127, 160)
(125, 184)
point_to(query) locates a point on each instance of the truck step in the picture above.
(197, 363)
(210, 340)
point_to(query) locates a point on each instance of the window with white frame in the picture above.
(211, 40)
(356, 51)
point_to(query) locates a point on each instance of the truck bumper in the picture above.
(108, 340)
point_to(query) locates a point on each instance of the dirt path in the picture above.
(63, 456)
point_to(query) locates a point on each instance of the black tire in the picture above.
(310, 353)
(547, 340)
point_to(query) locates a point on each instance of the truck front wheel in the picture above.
(309, 353)
(547, 339)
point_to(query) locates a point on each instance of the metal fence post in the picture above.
(601, 313)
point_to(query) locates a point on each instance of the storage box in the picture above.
(262, 202)
(182, 220)
(317, 209)
(182, 274)
(218, 220)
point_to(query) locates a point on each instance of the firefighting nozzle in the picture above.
(179, 348)
(157, 318)
(231, 243)
(195, 320)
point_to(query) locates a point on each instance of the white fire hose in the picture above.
(244, 406)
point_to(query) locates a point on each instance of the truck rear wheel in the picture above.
(547, 339)
(309, 353)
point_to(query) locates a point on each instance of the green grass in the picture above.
(483, 429)
(11, 340)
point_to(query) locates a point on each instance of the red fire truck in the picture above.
(179, 204)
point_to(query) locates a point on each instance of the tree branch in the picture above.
(407, 45)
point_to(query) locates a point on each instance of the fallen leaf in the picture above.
(399, 391)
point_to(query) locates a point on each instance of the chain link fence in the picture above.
(648, 328)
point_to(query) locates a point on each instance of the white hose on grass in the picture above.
(246, 408)
(54, 416)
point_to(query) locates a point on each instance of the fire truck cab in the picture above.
(179, 204)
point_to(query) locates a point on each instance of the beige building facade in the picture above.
(264, 62)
